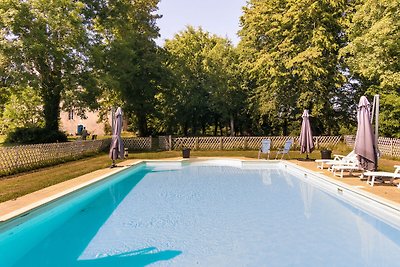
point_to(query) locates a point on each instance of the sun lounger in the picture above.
(350, 165)
(336, 159)
(338, 170)
(371, 176)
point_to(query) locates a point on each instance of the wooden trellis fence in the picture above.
(27, 157)
(243, 142)
(138, 143)
(387, 146)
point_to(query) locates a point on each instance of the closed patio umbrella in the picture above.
(116, 147)
(306, 139)
(365, 146)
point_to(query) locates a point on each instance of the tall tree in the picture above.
(290, 48)
(192, 88)
(227, 97)
(128, 55)
(372, 55)
(206, 89)
(45, 43)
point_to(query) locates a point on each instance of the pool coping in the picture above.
(363, 193)
(12, 209)
(385, 209)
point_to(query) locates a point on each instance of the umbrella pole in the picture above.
(112, 130)
(307, 156)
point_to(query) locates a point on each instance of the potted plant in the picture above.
(326, 153)
(186, 153)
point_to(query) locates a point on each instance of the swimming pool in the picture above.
(206, 213)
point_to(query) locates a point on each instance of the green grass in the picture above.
(18, 185)
(14, 186)
(2, 139)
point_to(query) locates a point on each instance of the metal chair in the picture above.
(285, 150)
(265, 148)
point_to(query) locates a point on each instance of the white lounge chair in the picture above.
(336, 159)
(285, 150)
(265, 148)
(371, 176)
(350, 165)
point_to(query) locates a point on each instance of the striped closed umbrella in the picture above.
(365, 146)
(117, 146)
(306, 141)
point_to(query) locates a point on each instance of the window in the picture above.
(70, 115)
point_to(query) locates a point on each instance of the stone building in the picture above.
(72, 124)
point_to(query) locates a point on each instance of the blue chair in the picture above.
(285, 150)
(265, 148)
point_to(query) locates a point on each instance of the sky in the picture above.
(219, 17)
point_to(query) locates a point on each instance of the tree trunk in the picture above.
(142, 125)
(194, 127)
(216, 127)
(232, 126)
(185, 129)
(285, 127)
(51, 95)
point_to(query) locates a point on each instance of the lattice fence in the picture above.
(27, 157)
(387, 146)
(164, 142)
(138, 143)
(326, 141)
(244, 142)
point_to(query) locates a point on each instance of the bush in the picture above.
(35, 136)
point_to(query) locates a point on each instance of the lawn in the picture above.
(2, 139)
(18, 185)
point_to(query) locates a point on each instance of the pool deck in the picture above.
(15, 207)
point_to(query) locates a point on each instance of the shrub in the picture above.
(35, 136)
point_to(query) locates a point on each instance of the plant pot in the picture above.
(186, 153)
(326, 154)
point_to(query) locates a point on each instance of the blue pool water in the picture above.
(200, 215)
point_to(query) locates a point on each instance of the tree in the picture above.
(227, 97)
(290, 49)
(45, 43)
(22, 110)
(128, 59)
(372, 53)
(4, 90)
(206, 89)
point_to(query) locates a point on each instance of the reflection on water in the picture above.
(306, 190)
(375, 246)
(142, 257)
(266, 177)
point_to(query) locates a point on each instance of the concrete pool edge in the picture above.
(385, 209)
(15, 208)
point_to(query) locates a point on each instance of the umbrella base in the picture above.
(306, 159)
(113, 165)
